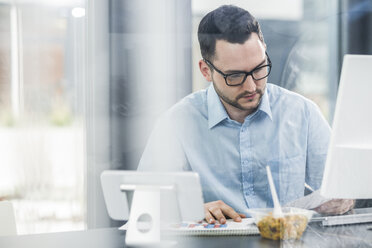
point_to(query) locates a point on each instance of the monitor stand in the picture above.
(144, 219)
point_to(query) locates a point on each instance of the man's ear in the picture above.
(205, 70)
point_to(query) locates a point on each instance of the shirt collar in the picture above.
(265, 104)
(217, 112)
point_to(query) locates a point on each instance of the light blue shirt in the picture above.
(287, 132)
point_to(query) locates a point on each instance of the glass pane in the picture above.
(41, 121)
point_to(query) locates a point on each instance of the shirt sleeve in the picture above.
(163, 151)
(319, 133)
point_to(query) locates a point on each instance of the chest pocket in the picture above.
(289, 177)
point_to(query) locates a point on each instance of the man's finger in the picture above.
(209, 218)
(217, 213)
(242, 215)
(230, 212)
(218, 210)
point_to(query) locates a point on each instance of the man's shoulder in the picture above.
(282, 96)
(191, 105)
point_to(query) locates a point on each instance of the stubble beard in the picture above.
(235, 103)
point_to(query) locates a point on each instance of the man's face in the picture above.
(230, 58)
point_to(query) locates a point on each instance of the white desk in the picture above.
(103, 238)
(315, 236)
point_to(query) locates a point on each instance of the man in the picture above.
(230, 131)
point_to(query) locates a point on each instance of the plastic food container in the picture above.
(290, 226)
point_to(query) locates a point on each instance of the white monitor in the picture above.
(158, 198)
(187, 193)
(348, 169)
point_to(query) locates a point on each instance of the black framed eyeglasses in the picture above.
(238, 78)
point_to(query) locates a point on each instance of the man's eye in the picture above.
(259, 69)
(237, 75)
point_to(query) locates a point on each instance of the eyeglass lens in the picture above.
(238, 78)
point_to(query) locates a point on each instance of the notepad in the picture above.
(231, 228)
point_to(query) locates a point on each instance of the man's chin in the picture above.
(249, 105)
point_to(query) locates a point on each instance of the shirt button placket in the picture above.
(244, 151)
(250, 166)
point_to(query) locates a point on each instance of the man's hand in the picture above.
(334, 207)
(218, 210)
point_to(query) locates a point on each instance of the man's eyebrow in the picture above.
(236, 71)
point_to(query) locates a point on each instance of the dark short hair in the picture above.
(229, 23)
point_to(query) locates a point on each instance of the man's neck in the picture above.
(235, 113)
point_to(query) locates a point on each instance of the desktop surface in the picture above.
(315, 236)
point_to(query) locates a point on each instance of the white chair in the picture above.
(7, 219)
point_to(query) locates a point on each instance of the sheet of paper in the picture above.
(230, 224)
(309, 201)
(234, 225)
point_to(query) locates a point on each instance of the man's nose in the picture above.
(249, 84)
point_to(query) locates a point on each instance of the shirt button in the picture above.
(243, 129)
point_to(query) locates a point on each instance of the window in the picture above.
(41, 122)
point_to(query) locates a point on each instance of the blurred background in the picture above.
(82, 82)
